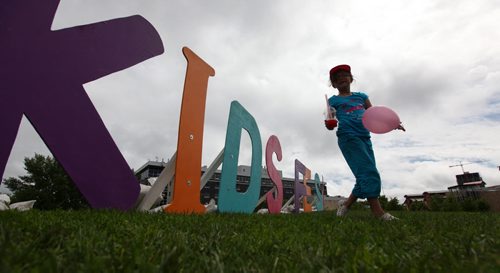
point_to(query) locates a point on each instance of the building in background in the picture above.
(469, 186)
(152, 169)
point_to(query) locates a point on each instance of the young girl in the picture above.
(354, 142)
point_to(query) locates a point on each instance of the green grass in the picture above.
(110, 241)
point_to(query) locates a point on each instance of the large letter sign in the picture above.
(274, 201)
(43, 73)
(186, 196)
(302, 191)
(230, 200)
(42, 76)
(319, 193)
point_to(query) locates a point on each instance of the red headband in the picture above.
(338, 68)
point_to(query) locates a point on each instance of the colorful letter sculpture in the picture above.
(43, 73)
(319, 193)
(186, 197)
(302, 191)
(230, 200)
(42, 76)
(274, 201)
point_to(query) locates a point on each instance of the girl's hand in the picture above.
(330, 124)
(400, 127)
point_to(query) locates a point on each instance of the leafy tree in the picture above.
(483, 205)
(437, 203)
(451, 204)
(360, 205)
(393, 204)
(386, 204)
(383, 201)
(47, 183)
(418, 206)
(469, 205)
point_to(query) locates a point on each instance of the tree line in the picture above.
(47, 183)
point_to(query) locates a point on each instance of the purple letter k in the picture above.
(42, 73)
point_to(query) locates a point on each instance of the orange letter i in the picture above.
(186, 194)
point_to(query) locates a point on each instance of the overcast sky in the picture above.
(435, 62)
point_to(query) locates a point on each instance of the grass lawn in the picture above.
(111, 241)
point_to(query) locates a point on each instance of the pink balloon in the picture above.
(380, 119)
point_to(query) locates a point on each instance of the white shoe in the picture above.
(342, 210)
(388, 217)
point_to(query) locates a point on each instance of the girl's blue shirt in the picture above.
(350, 112)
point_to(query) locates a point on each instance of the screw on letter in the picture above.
(191, 137)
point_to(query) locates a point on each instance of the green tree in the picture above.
(469, 204)
(437, 203)
(482, 205)
(383, 201)
(418, 206)
(451, 204)
(393, 204)
(47, 183)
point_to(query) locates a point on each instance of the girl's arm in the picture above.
(368, 103)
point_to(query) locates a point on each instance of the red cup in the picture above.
(330, 124)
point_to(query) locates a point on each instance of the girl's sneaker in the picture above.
(388, 217)
(342, 210)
